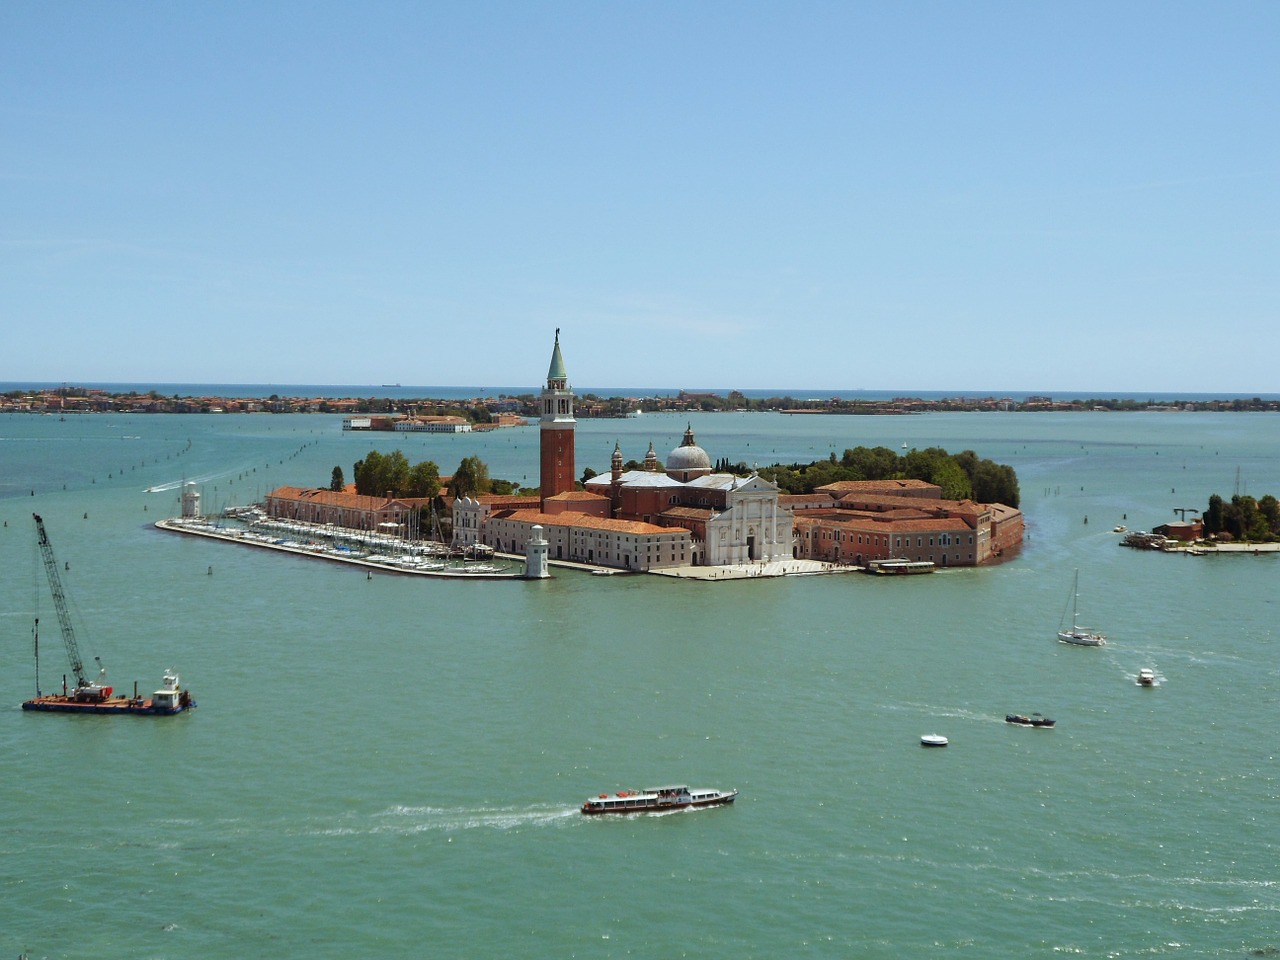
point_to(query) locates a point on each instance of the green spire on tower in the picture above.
(556, 371)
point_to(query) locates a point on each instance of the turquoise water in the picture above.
(392, 767)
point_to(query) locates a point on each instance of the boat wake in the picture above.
(957, 713)
(411, 820)
(177, 484)
(203, 478)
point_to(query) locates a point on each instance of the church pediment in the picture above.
(755, 485)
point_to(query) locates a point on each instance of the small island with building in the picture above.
(1243, 524)
(678, 517)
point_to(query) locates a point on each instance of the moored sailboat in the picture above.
(1077, 634)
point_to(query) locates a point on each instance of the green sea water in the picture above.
(392, 767)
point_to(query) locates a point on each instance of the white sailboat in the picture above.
(1077, 634)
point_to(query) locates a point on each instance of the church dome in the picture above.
(688, 460)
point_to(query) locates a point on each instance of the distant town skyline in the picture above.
(964, 198)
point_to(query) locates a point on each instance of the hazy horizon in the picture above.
(464, 391)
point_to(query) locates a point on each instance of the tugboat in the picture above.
(657, 800)
(93, 696)
(1035, 720)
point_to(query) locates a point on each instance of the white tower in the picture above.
(190, 500)
(535, 555)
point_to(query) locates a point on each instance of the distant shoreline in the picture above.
(481, 409)
(476, 392)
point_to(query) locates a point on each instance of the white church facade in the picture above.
(675, 514)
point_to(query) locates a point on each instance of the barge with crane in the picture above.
(93, 696)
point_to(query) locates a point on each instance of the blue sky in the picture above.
(937, 196)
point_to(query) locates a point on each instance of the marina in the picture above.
(318, 543)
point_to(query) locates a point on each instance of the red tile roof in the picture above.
(877, 486)
(582, 520)
(577, 496)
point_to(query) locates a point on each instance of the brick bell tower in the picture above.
(556, 428)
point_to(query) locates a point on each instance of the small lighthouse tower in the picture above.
(190, 500)
(557, 427)
(535, 555)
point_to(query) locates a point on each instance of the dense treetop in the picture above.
(962, 476)
(390, 474)
(1243, 518)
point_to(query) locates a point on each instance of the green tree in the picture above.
(922, 464)
(471, 478)
(395, 479)
(424, 480)
(1250, 523)
(1215, 517)
(995, 483)
(820, 473)
(337, 482)
(367, 473)
(967, 461)
(1269, 508)
(871, 463)
(952, 479)
(380, 475)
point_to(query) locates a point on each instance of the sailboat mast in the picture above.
(1075, 599)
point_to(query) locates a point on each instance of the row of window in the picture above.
(945, 540)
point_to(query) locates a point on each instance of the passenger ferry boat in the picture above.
(657, 800)
(899, 566)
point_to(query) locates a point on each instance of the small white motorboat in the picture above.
(933, 740)
(1146, 677)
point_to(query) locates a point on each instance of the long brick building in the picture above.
(882, 519)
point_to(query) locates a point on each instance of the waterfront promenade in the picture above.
(749, 571)
(204, 527)
(397, 562)
(1209, 549)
